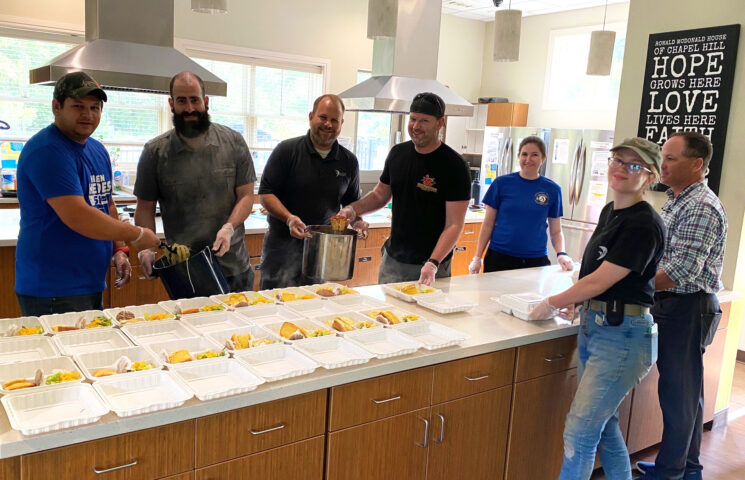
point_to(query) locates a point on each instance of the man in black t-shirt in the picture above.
(430, 186)
(305, 181)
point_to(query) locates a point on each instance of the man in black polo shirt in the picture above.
(305, 181)
(430, 186)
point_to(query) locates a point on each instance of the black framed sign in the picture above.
(688, 87)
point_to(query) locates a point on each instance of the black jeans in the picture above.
(496, 262)
(686, 326)
(38, 306)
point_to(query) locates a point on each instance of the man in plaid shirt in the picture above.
(686, 308)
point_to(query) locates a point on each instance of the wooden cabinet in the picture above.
(465, 249)
(368, 257)
(472, 375)
(139, 290)
(391, 448)
(547, 357)
(8, 301)
(10, 468)
(147, 454)
(181, 476)
(468, 437)
(507, 115)
(298, 461)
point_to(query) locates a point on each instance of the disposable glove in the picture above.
(475, 266)
(297, 227)
(222, 239)
(427, 275)
(147, 257)
(566, 262)
(123, 269)
(544, 311)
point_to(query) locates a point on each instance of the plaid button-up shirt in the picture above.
(696, 234)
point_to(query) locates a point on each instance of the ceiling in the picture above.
(484, 9)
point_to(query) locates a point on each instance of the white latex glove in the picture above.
(222, 239)
(475, 266)
(348, 213)
(362, 228)
(123, 269)
(544, 311)
(566, 262)
(297, 227)
(427, 275)
(147, 257)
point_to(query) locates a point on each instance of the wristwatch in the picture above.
(433, 262)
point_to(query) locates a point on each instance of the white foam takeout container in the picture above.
(304, 323)
(391, 289)
(143, 333)
(69, 319)
(262, 314)
(384, 342)
(354, 316)
(333, 352)
(432, 335)
(64, 406)
(90, 362)
(138, 311)
(142, 393)
(221, 336)
(90, 340)
(443, 303)
(316, 307)
(396, 311)
(519, 304)
(194, 345)
(177, 306)
(299, 291)
(12, 371)
(26, 347)
(19, 322)
(223, 298)
(276, 362)
(356, 302)
(210, 380)
(215, 321)
(334, 286)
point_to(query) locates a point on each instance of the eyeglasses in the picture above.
(631, 168)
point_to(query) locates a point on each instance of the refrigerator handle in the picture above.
(572, 227)
(510, 155)
(573, 173)
(581, 178)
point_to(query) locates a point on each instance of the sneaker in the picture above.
(647, 471)
(645, 467)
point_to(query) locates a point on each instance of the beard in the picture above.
(318, 139)
(191, 128)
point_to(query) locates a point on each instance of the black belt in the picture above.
(631, 309)
(664, 294)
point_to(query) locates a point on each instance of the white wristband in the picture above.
(139, 237)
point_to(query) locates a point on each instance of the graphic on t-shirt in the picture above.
(602, 251)
(339, 173)
(541, 198)
(427, 184)
(99, 191)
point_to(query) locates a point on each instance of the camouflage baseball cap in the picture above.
(77, 85)
(648, 151)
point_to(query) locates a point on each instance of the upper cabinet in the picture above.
(465, 135)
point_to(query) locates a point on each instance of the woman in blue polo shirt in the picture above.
(520, 206)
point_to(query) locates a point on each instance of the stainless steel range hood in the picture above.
(129, 46)
(406, 65)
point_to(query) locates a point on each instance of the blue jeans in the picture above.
(612, 359)
(38, 306)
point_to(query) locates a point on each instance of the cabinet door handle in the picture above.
(272, 429)
(377, 402)
(426, 433)
(469, 233)
(557, 358)
(442, 429)
(475, 379)
(99, 471)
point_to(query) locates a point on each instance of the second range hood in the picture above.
(129, 46)
(406, 65)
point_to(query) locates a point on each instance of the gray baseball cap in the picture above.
(648, 151)
(77, 85)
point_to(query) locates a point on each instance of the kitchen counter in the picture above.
(489, 330)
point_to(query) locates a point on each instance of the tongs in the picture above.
(164, 246)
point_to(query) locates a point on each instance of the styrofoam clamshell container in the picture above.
(210, 380)
(432, 335)
(333, 352)
(519, 304)
(26, 347)
(393, 289)
(69, 319)
(144, 333)
(314, 308)
(250, 296)
(178, 306)
(64, 406)
(356, 302)
(143, 393)
(28, 369)
(90, 362)
(443, 303)
(90, 340)
(299, 291)
(354, 316)
(215, 321)
(194, 345)
(276, 362)
(304, 323)
(262, 314)
(139, 311)
(384, 342)
(396, 311)
(5, 324)
(220, 337)
(333, 286)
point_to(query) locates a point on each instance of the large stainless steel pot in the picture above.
(328, 256)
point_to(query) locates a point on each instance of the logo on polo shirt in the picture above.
(427, 184)
(339, 173)
(601, 252)
(541, 198)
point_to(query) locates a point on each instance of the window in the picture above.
(567, 86)
(373, 137)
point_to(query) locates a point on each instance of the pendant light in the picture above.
(382, 16)
(602, 43)
(507, 33)
(209, 6)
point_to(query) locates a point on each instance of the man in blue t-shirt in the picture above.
(68, 217)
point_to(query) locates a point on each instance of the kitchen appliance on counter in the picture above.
(329, 255)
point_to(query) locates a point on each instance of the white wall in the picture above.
(524, 81)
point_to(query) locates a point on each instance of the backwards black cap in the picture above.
(77, 85)
(429, 104)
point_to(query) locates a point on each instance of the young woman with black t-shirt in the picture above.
(617, 341)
